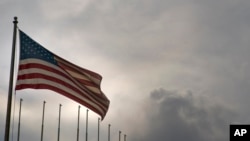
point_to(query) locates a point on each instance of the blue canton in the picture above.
(30, 49)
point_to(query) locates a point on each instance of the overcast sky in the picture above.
(172, 69)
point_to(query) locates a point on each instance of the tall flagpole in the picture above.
(87, 124)
(109, 132)
(20, 108)
(78, 120)
(59, 123)
(120, 135)
(42, 120)
(8, 112)
(98, 130)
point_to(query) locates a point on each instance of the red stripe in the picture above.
(51, 78)
(73, 66)
(45, 86)
(88, 83)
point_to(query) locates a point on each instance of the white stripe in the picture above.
(38, 81)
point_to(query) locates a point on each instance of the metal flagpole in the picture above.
(59, 123)
(20, 108)
(120, 135)
(42, 120)
(8, 113)
(78, 120)
(109, 132)
(87, 124)
(98, 131)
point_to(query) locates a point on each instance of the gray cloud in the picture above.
(176, 116)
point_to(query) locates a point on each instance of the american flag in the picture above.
(41, 69)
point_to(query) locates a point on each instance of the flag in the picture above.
(41, 69)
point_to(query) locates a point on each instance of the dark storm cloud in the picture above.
(178, 116)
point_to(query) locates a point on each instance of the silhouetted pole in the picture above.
(43, 120)
(98, 130)
(120, 135)
(125, 137)
(78, 120)
(9, 103)
(59, 123)
(87, 124)
(109, 132)
(19, 120)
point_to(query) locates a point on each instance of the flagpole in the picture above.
(98, 131)
(109, 132)
(78, 120)
(59, 123)
(8, 112)
(120, 135)
(20, 108)
(43, 120)
(87, 124)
